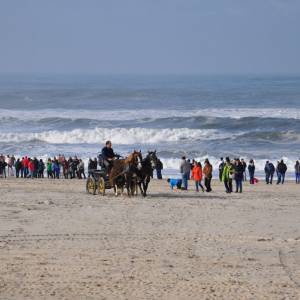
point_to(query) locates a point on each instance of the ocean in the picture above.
(194, 115)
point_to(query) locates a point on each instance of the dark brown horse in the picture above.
(145, 173)
(123, 171)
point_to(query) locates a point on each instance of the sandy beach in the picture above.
(57, 242)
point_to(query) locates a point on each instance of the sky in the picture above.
(150, 36)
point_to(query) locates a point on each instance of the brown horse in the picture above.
(122, 172)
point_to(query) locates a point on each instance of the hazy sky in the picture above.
(150, 36)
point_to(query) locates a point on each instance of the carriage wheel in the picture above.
(101, 186)
(91, 186)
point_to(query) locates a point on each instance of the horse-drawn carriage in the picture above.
(131, 172)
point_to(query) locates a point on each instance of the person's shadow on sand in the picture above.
(184, 196)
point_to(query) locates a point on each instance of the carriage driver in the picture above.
(108, 155)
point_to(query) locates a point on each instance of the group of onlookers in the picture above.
(193, 170)
(230, 170)
(32, 167)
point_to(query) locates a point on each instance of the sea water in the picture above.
(193, 115)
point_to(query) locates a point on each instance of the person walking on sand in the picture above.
(207, 171)
(185, 169)
(197, 176)
(221, 168)
(297, 171)
(281, 169)
(238, 175)
(251, 170)
(227, 175)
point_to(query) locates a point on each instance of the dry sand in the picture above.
(57, 242)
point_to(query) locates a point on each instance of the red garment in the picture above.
(197, 173)
(25, 162)
(31, 166)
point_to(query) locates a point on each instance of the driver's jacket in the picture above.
(107, 153)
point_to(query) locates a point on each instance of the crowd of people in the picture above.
(230, 170)
(32, 167)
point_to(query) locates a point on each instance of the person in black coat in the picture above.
(281, 170)
(251, 170)
(238, 175)
(159, 167)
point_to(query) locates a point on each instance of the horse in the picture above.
(145, 173)
(123, 171)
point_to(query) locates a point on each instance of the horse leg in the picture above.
(140, 183)
(115, 188)
(128, 185)
(146, 185)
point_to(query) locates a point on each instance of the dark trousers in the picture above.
(281, 177)
(185, 178)
(269, 178)
(239, 185)
(158, 173)
(251, 175)
(198, 184)
(207, 183)
(228, 185)
(297, 177)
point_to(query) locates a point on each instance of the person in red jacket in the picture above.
(30, 168)
(25, 163)
(197, 175)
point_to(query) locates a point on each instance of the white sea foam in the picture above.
(120, 136)
(236, 113)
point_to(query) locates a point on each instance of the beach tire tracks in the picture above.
(290, 262)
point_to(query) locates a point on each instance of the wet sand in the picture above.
(57, 242)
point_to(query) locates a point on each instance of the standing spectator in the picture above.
(90, 167)
(244, 169)
(251, 170)
(207, 171)
(297, 171)
(66, 168)
(272, 171)
(18, 167)
(2, 166)
(227, 175)
(197, 175)
(36, 167)
(267, 171)
(159, 167)
(41, 169)
(81, 169)
(55, 168)
(10, 165)
(185, 169)
(281, 169)
(49, 168)
(238, 175)
(30, 168)
(25, 166)
(221, 168)
(22, 168)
